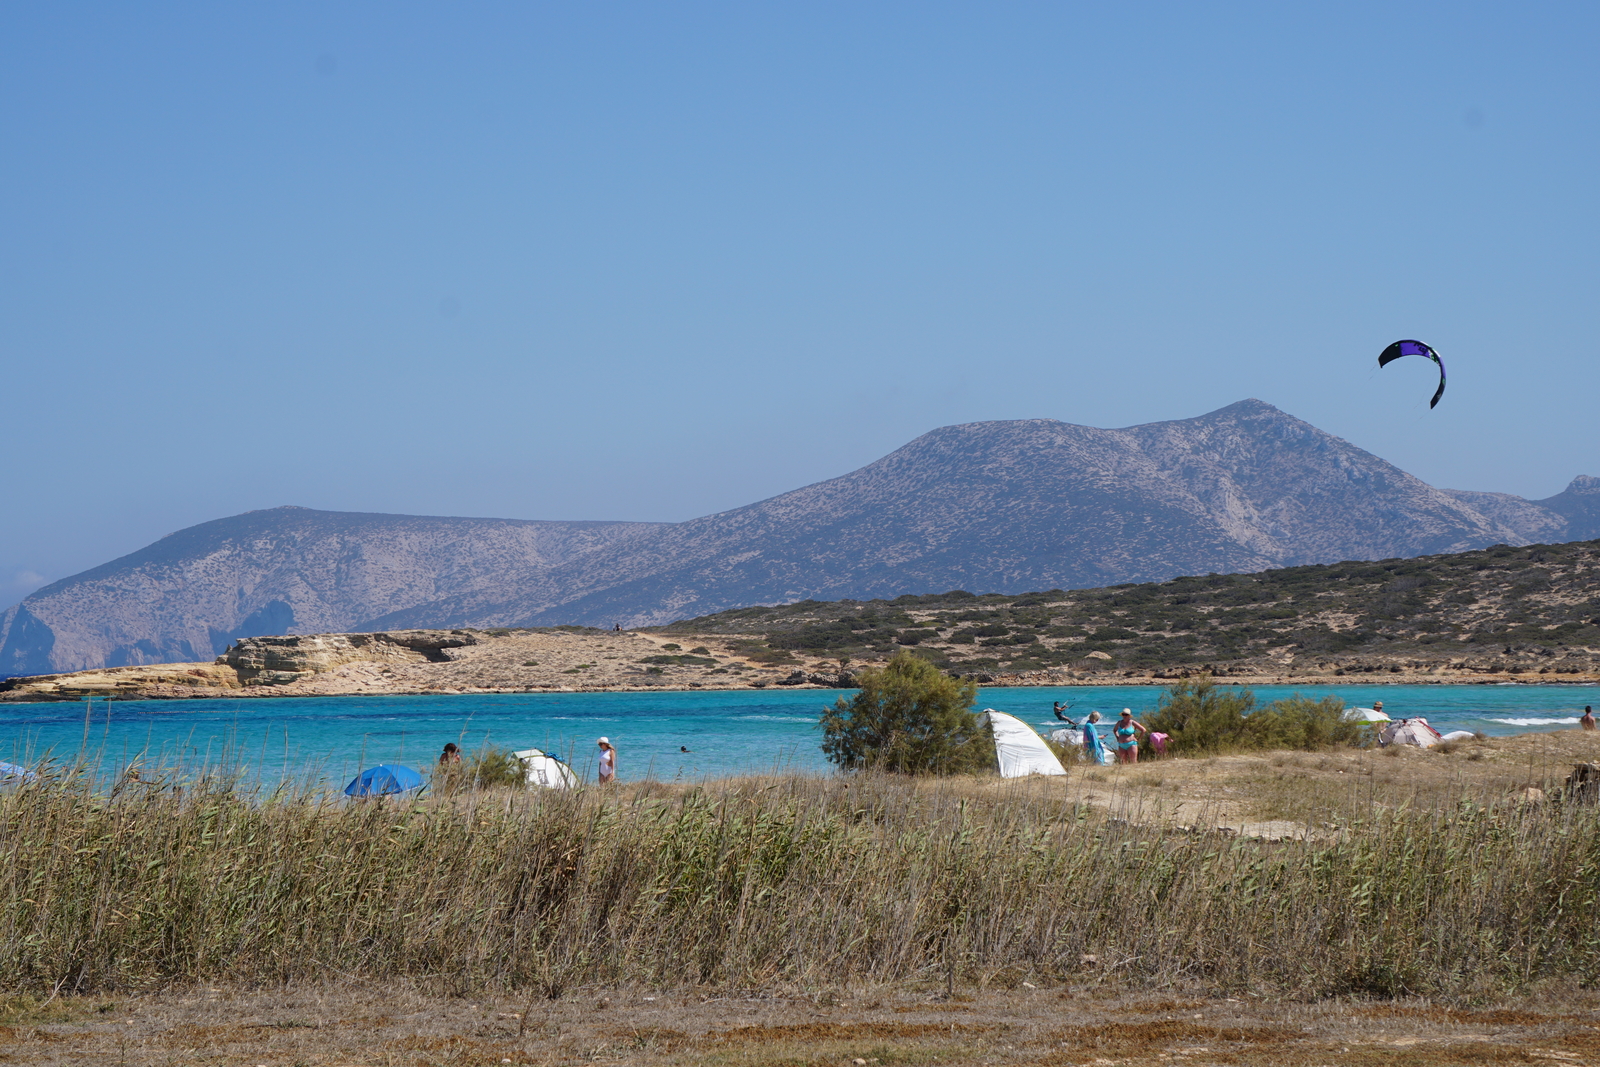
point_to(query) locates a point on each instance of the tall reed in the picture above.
(785, 880)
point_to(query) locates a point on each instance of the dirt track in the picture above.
(1036, 1022)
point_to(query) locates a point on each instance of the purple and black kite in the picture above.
(1414, 348)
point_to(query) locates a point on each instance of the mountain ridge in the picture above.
(991, 506)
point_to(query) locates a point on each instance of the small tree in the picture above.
(908, 718)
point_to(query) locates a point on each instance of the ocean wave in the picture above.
(776, 718)
(1538, 722)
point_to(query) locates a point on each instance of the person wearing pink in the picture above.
(608, 761)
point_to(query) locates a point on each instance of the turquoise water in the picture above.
(329, 739)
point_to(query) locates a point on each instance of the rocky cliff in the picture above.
(996, 506)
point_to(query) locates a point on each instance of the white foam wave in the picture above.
(776, 718)
(1538, 722)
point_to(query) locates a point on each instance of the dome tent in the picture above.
(540, 769)
(1409, 732)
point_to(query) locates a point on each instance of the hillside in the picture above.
(1500, 614)
(990, 507)
(1507, 611)
(285, 570)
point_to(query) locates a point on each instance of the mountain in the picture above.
(991, 506)
(286, 570)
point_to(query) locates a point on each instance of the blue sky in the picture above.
(652, 261)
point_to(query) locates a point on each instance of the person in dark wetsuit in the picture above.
(1061, 713)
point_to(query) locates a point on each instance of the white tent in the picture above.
(1409, 732)
(1363, 715)
(544, 770)
(1020, 751)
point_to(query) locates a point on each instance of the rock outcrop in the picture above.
(282, 660)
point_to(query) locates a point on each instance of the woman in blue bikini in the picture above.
(1127, 742)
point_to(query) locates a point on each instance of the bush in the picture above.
(496, 766)
(908, 718)
(1201, 717)
(760, 652)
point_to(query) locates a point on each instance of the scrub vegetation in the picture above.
(793, 882)
(1531, 611)
(1200, 717)
(907, 718)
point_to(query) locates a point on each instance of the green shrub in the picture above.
(495, 766)
(760, 652)
(1201, 717)
(908, 718)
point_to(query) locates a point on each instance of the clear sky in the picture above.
(651, 261)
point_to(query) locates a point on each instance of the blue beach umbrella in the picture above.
(11, 770)
(383, 780)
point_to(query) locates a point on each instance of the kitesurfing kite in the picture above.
(1414, 348)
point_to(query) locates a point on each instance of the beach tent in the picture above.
(1409, 732)
(1018, 750)
(1363, 715)
(546, 771)
(1458, 735)
(11, 770)
(386, 779)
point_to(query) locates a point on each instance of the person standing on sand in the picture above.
(1587, 722)
(608, 761)
(1091, 739)
(1127, 742)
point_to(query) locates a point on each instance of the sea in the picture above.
(323, 742)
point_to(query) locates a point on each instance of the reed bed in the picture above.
(791, 881)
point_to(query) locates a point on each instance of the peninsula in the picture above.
(1501, 614)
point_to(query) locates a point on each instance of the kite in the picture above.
(1414, 348)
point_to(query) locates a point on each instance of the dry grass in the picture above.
(797, 882)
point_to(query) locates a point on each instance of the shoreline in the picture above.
(463, 662)
(62, 688)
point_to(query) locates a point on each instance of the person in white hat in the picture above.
(608, 761)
